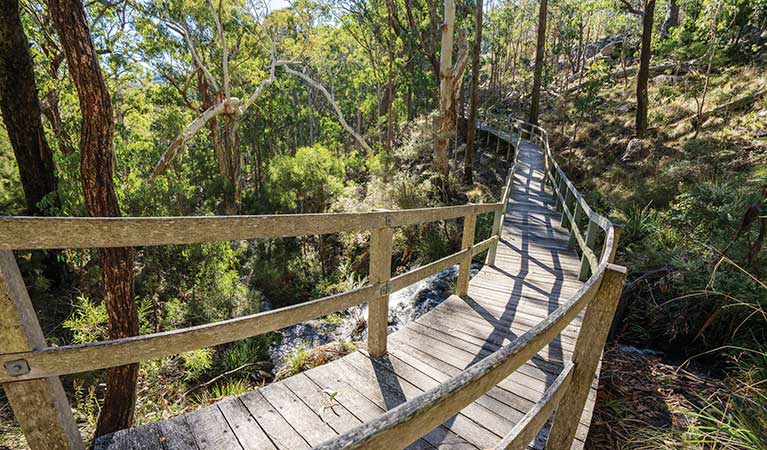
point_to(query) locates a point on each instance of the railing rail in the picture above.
(31, 369)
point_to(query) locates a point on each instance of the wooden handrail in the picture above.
(524, 431)
(32, 233)
(45, 362)
(30, 373)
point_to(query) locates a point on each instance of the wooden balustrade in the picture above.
(40, 406)
(31, 369)
(380, 272)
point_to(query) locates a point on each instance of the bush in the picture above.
(307, 182)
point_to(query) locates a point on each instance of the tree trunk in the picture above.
(644, 68)
(51, 111)
(468, 159)
(21, 111)
(672, 19)
(441, 163)
(540, 51)
(97, 158)
(390, 80)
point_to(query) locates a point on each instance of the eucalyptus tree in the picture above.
(217, 58)
(96, 167)
(468, 161)
(21, 112)
(450, 77)
(646, 11)
(540, 49)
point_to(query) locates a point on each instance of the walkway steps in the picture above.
(536, 271)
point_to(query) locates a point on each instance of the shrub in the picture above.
(307, 182)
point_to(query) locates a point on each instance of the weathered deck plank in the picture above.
(535, 272)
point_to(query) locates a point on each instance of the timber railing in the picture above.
(30, 368)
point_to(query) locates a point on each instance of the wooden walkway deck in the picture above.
(535, 272)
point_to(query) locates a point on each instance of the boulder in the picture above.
(612, 50)
(665, 79)
(634, 150)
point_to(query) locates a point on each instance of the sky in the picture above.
(278, 4)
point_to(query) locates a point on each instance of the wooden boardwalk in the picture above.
(535, 272)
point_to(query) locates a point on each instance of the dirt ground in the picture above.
(642, 401)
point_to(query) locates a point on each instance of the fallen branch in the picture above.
(733, 105)
(630, 71)
(213, 380)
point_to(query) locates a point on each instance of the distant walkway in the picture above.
(535, 272)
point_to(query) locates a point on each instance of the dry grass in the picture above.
(643, 402)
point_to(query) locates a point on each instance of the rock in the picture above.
(713, 122)
(633, 150)
(665, 79)
(625, 108)
(611, 50)
(762, 113)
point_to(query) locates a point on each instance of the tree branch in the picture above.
(224, 50)
(333, 103)
(196, 56)
(631, 8)
(227, 106)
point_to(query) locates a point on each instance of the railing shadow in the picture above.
(394, 395)
(529, 229)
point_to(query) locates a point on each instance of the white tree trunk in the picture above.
(441, 164)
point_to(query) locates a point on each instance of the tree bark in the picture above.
(441, 163)
(468, 159)
(21, 111)
(643, 74)
(540, 51)
(97, 158)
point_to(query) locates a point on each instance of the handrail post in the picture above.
(555, 187)
(40, 405)
(558, 192)
(591, 237)
(576, 221)
(586, 356)
(565, 219)
(617, 230)
(380, 272)
(508, 144)
(497, 218)
(467, 241)
(497, 139)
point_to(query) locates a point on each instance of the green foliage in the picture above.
(87, 403)
(247, 352)
(305, 358)
(11, 197)
(739, 424)
(197, 362)
(221, 390)
(638, 224)
(307, 182)
(88, 322)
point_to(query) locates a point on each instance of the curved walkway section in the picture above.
(535, 272)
